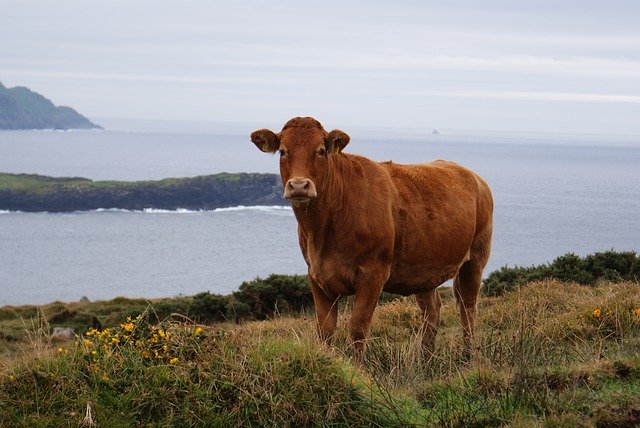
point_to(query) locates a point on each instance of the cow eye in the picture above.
(322, 151)
(282, 152)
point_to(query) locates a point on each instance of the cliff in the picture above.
(21, 108)
(27, 192)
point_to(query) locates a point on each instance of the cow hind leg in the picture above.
(429, 303)
(466, 286)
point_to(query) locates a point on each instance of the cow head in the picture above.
(305, 154)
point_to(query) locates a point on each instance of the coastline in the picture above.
(37, 193)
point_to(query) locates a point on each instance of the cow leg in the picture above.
(368, 289)
(466, 286)
(429, 303)
(326, 312)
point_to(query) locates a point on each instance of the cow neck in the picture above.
(332, 202)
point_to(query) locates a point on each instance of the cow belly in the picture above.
(425, 273)
(417, 279)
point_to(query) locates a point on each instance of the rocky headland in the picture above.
(21, 108)
(32, 193)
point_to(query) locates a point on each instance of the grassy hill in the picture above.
(546, 354)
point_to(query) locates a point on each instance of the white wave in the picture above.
(176, 211)
(265, 208)
(269, 209)
(145, 211)
(110, 210)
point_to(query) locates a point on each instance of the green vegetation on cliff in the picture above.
(30, 192)
(21, 108)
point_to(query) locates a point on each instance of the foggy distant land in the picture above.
(30, 192)
(21, 108)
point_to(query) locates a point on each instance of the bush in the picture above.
(604, 266)
(78, 320)
(261, 298)
(209, 307)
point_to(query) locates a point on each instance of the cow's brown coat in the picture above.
(365, 227)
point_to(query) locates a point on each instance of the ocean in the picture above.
(554, 193)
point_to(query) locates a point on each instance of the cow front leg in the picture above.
(429, 303)
(369, 285)
(326, 312)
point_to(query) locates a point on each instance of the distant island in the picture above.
(21, 108)
(30, 192)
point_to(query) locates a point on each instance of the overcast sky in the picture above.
(558, 66)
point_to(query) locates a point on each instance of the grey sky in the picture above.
(567, 66)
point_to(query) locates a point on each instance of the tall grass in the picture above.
(551, 353)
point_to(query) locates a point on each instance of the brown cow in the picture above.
(365, 227)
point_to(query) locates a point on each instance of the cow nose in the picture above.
(299, 187)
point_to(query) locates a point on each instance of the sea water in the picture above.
(553, 194)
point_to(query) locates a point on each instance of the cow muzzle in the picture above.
(300, 189)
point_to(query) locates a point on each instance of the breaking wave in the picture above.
(274, 209)
(268, 209)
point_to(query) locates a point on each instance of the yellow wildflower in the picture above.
(146, 354)
(88, 343)
(161, 333)
(115, 340)
(105, 377)
(636, 312)
(173, 360)
(60, 350)
(596, 313)
(198, 331)
(128, 326)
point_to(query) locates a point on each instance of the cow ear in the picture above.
(335, 141)
(265, 140)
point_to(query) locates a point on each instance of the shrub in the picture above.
(78, 320)
(277, 293)
(604, 266)
(209, 307)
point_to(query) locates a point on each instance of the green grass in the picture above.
(36, 183)
(175, 375)
(548, 354)
(41, 184)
